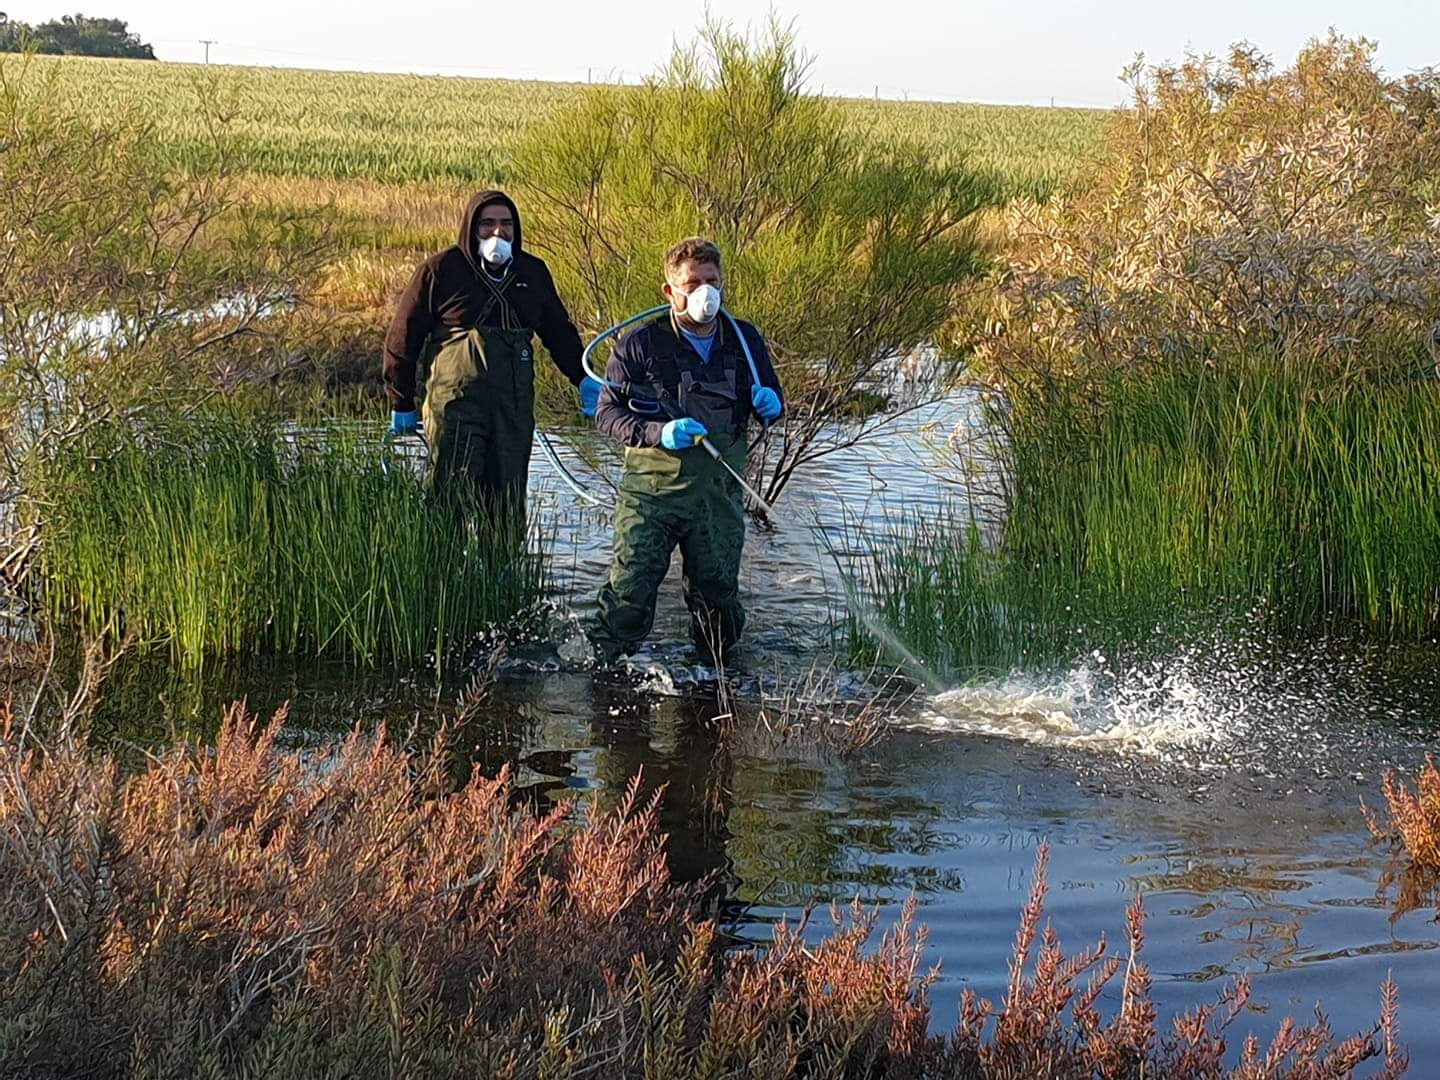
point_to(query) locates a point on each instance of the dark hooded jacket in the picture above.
(446, 294)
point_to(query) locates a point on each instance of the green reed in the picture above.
(969, 609)
(1262, 492)
(224, 537)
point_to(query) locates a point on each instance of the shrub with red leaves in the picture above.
(256, 911)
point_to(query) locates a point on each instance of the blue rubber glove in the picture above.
(590, 395)
(766, 402)
(402, 423)
(682, 434)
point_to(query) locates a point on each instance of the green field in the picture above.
(454, 131)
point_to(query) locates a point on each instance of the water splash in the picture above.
(1180, 701)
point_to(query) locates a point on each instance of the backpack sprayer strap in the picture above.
(508, 321)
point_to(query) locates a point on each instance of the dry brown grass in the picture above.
(350, 911)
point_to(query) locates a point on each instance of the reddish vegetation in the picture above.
(254, 910)
(1414, 816)
(1413, 825)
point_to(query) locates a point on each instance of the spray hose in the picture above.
(579, 489)
(710, 447)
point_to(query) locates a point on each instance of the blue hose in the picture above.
(647, 313)
(549, 450)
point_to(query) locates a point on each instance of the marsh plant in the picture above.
(216, 536)
(1410, 824)
(353, 910)
(1211, 370)
(126, 288)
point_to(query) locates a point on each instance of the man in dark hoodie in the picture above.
(465, 325)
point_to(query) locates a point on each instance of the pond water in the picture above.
(1224, 782)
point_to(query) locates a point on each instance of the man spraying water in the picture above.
(674, 385)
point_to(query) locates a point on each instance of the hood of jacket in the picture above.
(469, 243)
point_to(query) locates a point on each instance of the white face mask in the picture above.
(495, 250)
(703, 304)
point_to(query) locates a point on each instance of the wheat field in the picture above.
(450, 132)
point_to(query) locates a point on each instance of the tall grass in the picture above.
(1255, 489)
(224, 537)
(965, 610)
(1317, 499)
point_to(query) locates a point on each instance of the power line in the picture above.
(207, 45)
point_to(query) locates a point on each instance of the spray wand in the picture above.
(755, 495)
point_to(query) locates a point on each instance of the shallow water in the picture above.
(1222, 782)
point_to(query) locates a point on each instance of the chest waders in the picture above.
(479, 409)
(684, 499)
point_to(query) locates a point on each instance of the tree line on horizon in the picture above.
(74, 35)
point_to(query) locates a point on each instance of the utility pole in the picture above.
(207, 45)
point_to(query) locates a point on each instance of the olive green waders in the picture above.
(683, 499)
(479, 413)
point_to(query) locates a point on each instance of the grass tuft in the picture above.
(222, 537)
(1191, 495)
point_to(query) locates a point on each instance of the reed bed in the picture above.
(222, 537)
(1316, 499)
(1253, 491)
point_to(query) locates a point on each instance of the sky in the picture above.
(1034, 52)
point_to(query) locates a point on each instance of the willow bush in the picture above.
(846, 250)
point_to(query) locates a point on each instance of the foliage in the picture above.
(1238, 211)
(125, 288)
(1244, 491)
(1250, 482)
(389, 161)
(215, 537)
(353, 910)
(1413, 817)
(1211, 371)
(75, 35)
(845, 251)
(1411, 824)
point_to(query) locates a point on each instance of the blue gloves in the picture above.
(682, 434)
(590, 395)
(766, 402)
(402, 423)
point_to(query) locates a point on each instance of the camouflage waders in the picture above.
(682, 499)
(479, 412)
